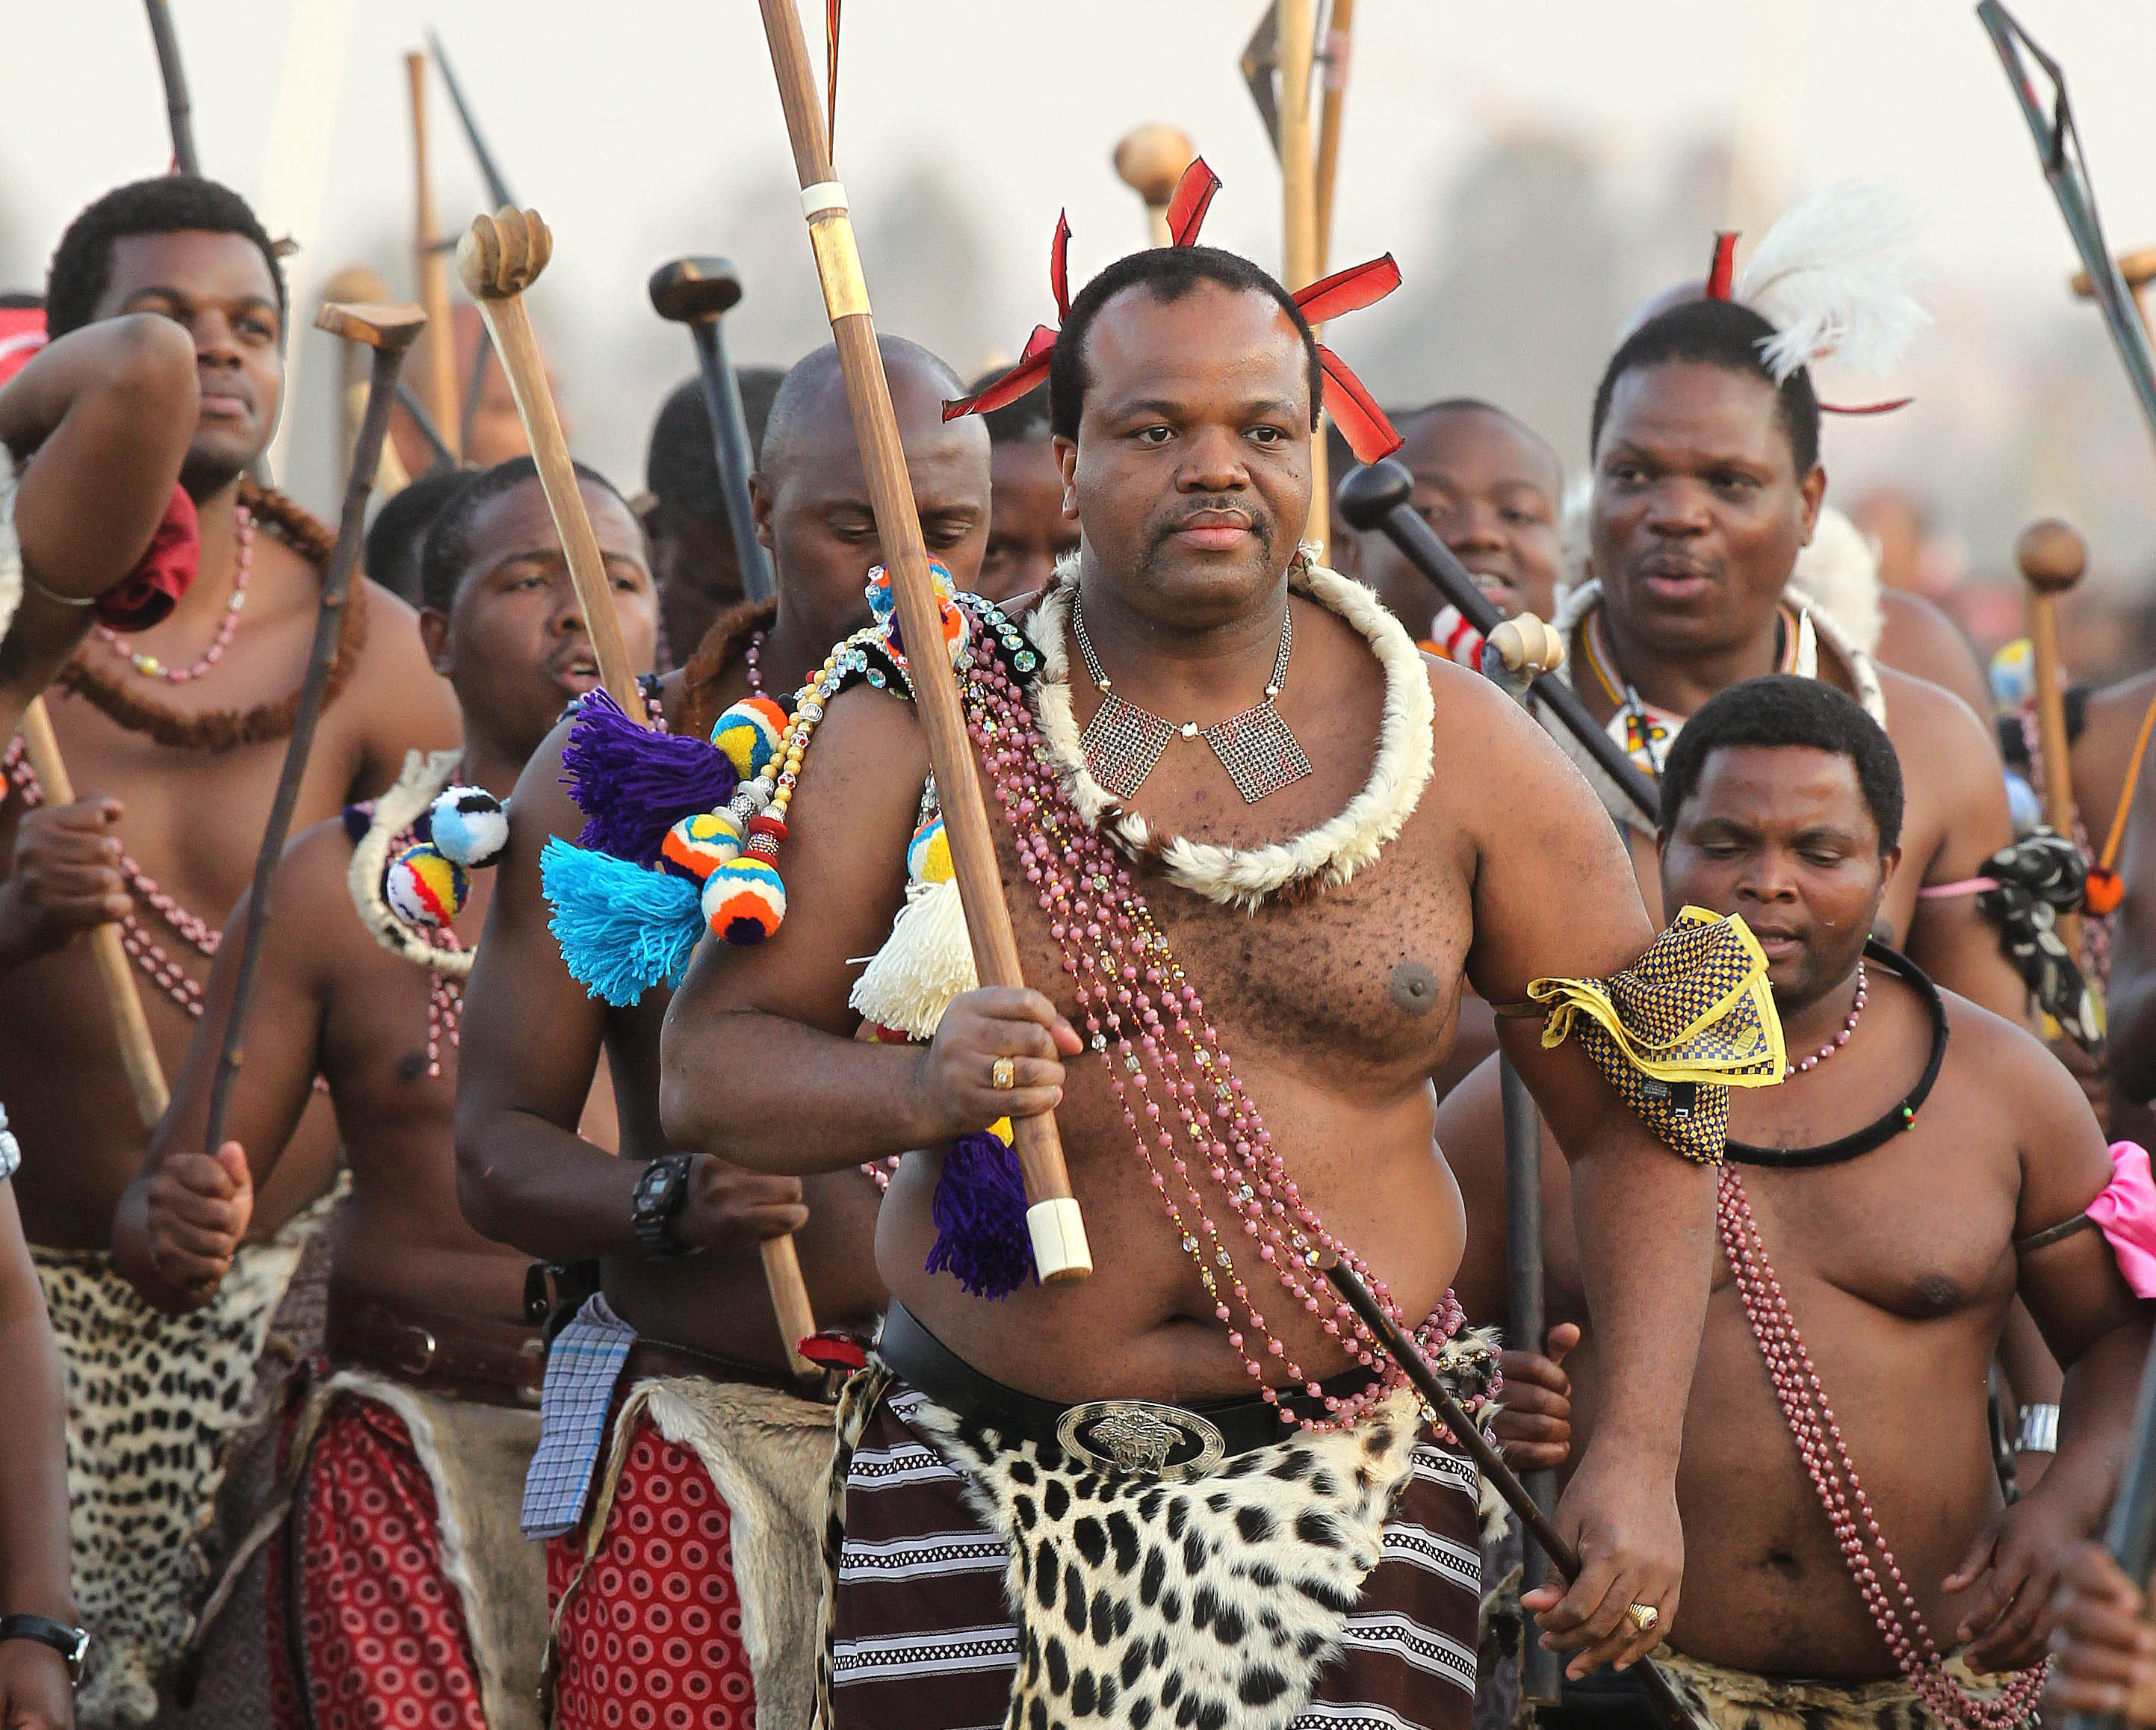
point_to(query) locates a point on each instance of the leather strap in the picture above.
(650, 1358)
(492, 1363)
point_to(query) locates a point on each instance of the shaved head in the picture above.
(810, 413)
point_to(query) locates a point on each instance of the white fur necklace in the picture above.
(1246, 876)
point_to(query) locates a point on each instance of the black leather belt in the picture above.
(1145, 1437)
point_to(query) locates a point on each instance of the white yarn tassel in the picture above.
(1834, 277)
(927, 961)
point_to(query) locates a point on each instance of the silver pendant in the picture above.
(1258, 752)
(1121, 744)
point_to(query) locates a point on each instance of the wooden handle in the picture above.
(1298, 41)
(2051, 557)
(1052, 1215)
(439, 372)
(115, 969)
(1339, 39)
(481, 259)
(789, 1300)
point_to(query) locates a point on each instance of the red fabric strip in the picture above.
(1059, 264)
(1355, 412)
(1349, 290)
(1723, 273)
(831, 76)
(1194, 196)
(1029, 374)
(1887, 408)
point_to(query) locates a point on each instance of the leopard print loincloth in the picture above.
(151, 1400)
(1209, 1602)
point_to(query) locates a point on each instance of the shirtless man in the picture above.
(1031, 528)
(1492, 489)
(692, 544)
(1184, 391)
(696, 1330)
(181, 775)
(1706, 482)
(400, 1423)
(1908, 1179)
(92, 432)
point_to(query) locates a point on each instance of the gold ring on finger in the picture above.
(1643, 1616)
(1002, 1075)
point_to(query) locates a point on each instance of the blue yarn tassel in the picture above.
(622, 929)
(634, 784)
(980, 1209)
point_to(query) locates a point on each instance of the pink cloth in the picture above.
(2126, 1210)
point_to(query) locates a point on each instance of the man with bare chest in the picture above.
(1226, 838)
(428, 1398)
(1924, 1163)
(671, 1387)
(175, 736)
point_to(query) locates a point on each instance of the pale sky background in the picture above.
(1536, 169)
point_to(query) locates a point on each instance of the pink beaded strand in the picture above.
(1805, 1064)
(1135, 1001)
(149, 667)
(1849, 1510)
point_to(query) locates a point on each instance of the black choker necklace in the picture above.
(1897, 1118)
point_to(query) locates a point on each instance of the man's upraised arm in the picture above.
(1555, 896)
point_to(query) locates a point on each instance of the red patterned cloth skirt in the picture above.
(651, 1638)
(381, 1629)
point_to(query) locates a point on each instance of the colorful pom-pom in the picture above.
(697, 846)
(469, 827)
(883, 604)
(422, 886)
(622, 929)
(928, 854)
(634, 783)
(749, 735)
(744, 900)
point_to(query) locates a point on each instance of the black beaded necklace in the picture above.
(1897, 1118)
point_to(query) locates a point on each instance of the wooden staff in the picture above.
(1150, 160)
(2136, 270)
(438, 348)
(356, 285)
(179, 111)
(1533, 1521)
(388, 331)
(1541, 1671)
(499, 258)
(2052, 557)
(115, 969)
(1339, 43)
(1297, 45)
(1053, 1220)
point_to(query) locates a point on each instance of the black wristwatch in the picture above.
(72, 1643)
(662, 1192)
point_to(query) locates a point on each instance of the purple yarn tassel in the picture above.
(634, 784)
(979, 1208)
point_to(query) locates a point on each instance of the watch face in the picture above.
(653, 1185)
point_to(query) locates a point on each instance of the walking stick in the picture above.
(698, 293)
(388, 331)
(2052, 557)
(498, 259)
(357, 285)
(1302, 249)
(1053, 1220)
(498, 195)
(1150, 160)
(1376, 497)
(115, 969)
(1339, 40)
(1487, 1460)
(439, 346)
(178, 110)
(1541, 1674)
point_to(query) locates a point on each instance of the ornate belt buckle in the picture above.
(1138, 1437)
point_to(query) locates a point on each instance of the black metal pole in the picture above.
(722, 400)
(1376, 497)
(1541, 1673)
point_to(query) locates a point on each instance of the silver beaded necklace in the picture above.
(1122, 741)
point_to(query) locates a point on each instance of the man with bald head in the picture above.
(669, 1389)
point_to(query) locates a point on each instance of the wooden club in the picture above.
(1053, 1220)
(2052, 557)
(438, 348)
(388, 331)
(499, 258)
(1339, 43)
(1150, 160)
(1302, 263)
(357, 285)
(115, 969)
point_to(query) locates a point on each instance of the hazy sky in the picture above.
(633, 127)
